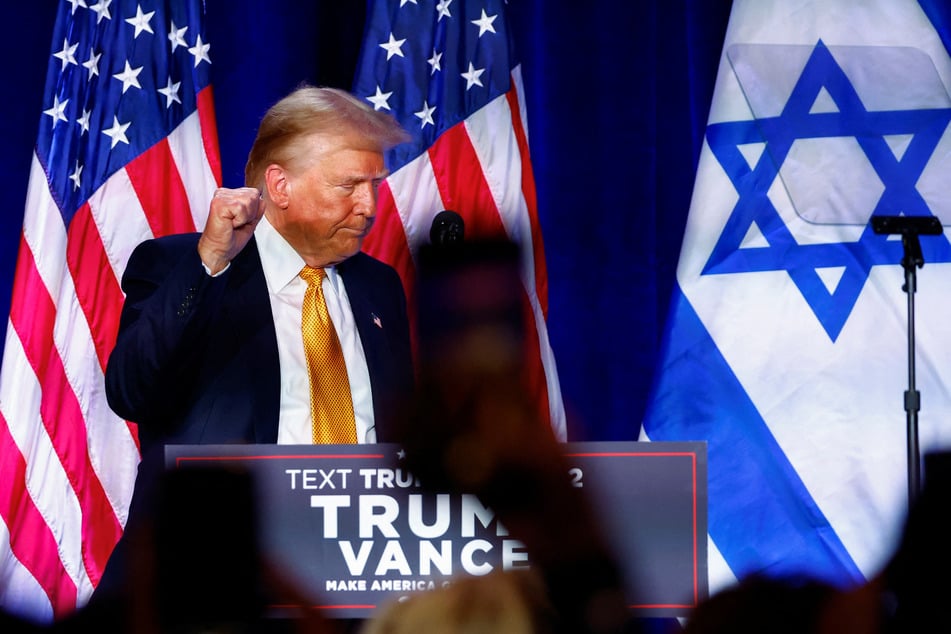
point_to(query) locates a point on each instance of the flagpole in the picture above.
(910, 228)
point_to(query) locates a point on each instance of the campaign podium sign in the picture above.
(352, 529)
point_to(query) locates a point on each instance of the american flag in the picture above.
(126, 150)
(447, 71)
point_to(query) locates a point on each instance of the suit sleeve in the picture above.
(170, 304)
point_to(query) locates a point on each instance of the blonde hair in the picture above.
(312, 110)
(509, 602)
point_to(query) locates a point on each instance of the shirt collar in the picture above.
(281, 263)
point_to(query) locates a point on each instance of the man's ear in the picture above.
(278, 187)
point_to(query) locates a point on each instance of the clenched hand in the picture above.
(232, 218)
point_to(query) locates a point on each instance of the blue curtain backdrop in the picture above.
(617, 92)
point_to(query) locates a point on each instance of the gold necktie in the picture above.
(331, 405)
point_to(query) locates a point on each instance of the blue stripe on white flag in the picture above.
(939, 13)
(786, 337)
(773, 525)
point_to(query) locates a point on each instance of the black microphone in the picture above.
(448, 228)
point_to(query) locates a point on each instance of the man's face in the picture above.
(330, 197)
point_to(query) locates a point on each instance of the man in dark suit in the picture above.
(210, 348)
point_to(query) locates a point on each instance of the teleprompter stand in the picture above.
(909, 228)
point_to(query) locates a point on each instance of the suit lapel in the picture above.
(247, 313)
(371, 325)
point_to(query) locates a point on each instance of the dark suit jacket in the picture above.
(196, 361)
(196, 358)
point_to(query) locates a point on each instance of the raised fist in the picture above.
(231, 220)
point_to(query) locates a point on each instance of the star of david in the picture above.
(796, 121)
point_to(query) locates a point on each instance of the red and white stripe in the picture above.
(68, 463)
(481, 168)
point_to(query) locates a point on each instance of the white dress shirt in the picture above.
(285, 288)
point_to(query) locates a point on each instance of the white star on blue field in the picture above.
(870, 129)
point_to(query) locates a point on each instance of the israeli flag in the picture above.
(786, 348)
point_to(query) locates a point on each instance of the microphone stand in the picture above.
(910, 227)
(911, 261)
